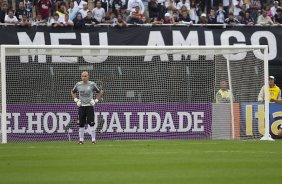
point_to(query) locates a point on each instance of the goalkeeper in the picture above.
(85, 103)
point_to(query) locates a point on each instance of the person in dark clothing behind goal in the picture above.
(85, 103)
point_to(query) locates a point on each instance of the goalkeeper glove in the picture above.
(93, 102)
(77, 101)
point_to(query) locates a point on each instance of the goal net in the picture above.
(160, 92)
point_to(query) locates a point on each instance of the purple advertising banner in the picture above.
(123, 121)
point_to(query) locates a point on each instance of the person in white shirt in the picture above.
(11, 18)
(79, 4)
(39, 21)
(193, 12)
(274, 8)
(264, 19)
(72, 11)
(237, 7)
(220, 15)
(170, 6)
(68, 22)
(104, 4)
(133, 3)
(55, 22)
(62, 12)
(84, 10)
(181, 3)
(98, 12)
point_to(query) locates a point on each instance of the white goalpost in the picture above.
(151, 92)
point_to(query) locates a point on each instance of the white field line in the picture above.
(244, 152)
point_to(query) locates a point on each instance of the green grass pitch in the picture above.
(130, 162)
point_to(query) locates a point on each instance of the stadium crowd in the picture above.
(80, 13)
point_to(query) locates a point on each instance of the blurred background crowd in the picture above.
(80, 13)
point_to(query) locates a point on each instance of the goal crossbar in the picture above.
(129, 50)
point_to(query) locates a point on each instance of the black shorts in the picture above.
(86, 115)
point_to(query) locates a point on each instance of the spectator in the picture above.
(170, 6)
(215, 4)
(194, 12)
(231, 20)
(71, 7)
(263, 19)
(99, 12)
(55, 22)
(209, 4)
(78, 21)
(84, 10)
(168, 19)
(28, 8)
(224, 94)
(72, 11)
(89, 19)
(124, 4)
(39, 21)
(104, 4)
(44, 8)
(274, 8)
(11, 18)
(62, 12)
(3, 12)
(20, 10)
(133, 3)
(273, 91)
(255, 7)
(118, 4)
(202, 5)
(247, 20)
(154, 9)
(146, 7)
(111, 19)
(24, 21)
(156, 21)
(183, 8)
(79, 4)
(120, 21)
(268, 12)
(54, 7)
(175, 16)
(68, 22)
(203, 19)
(184, 16)
(212, 17)
(181, 3)
(237, 7)
(242, 13)
(124, 13)
(225, 6)
(139, 14)
(133, 19)
(278, 17)
(220, 15)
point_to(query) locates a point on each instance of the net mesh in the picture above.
(149, 94)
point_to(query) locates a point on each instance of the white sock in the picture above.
(93, 133)
(81, 134)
